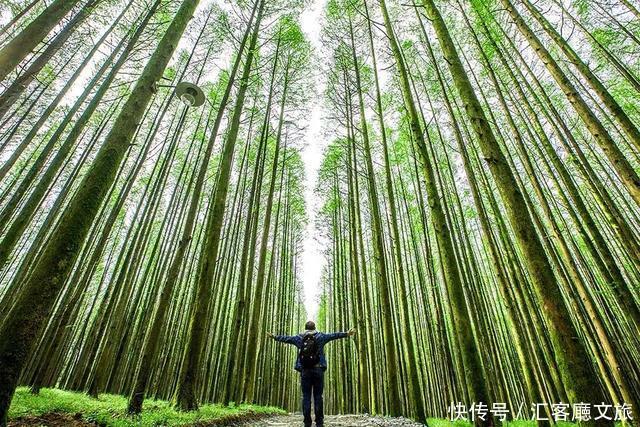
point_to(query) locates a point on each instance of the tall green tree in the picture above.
(31, 310)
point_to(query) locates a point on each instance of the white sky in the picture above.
(312, 257)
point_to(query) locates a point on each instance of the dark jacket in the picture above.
(321, 340)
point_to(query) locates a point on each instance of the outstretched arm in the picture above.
(294, 339)
(338, 335)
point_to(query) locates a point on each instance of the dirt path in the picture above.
(295, 420)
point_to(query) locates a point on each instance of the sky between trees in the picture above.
(458, 179)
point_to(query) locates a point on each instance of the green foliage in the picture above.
(337, 9)
(110, 410)
(607, 37)
(321, 321)
(170, 72)
(290, 30)
(221, 30)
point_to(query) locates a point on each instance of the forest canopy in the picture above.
(476, 202)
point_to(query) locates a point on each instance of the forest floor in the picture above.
(335, 421)
(53, 407)
(371, 421)
(295, 420)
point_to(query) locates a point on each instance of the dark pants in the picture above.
(312, 381)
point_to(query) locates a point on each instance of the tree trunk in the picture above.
(34, 303)
(572, 358)
(186, 396)
(22, 44)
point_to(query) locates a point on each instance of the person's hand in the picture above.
(270, 335)
(351, 332)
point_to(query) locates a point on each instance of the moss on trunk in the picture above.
(33, 305)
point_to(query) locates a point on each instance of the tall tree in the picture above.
(38, 294)
(571, 356)
(23, 43)
(186, 397)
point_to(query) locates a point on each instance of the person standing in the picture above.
(311, 363)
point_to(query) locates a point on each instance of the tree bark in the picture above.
(22, 44)
(32, 308)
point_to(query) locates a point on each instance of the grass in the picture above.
(110, 410)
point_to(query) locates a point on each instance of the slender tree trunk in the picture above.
(149, 349)
(414, 379)
(625, 170)
(571, 356)
(22, 44)
(252, 325)
(594, 82)
(18, 16)
(31, 310)
(27, 210)
(19, 85)
(186, 396)
(473, 370)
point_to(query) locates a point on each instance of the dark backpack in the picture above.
(310, 352)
